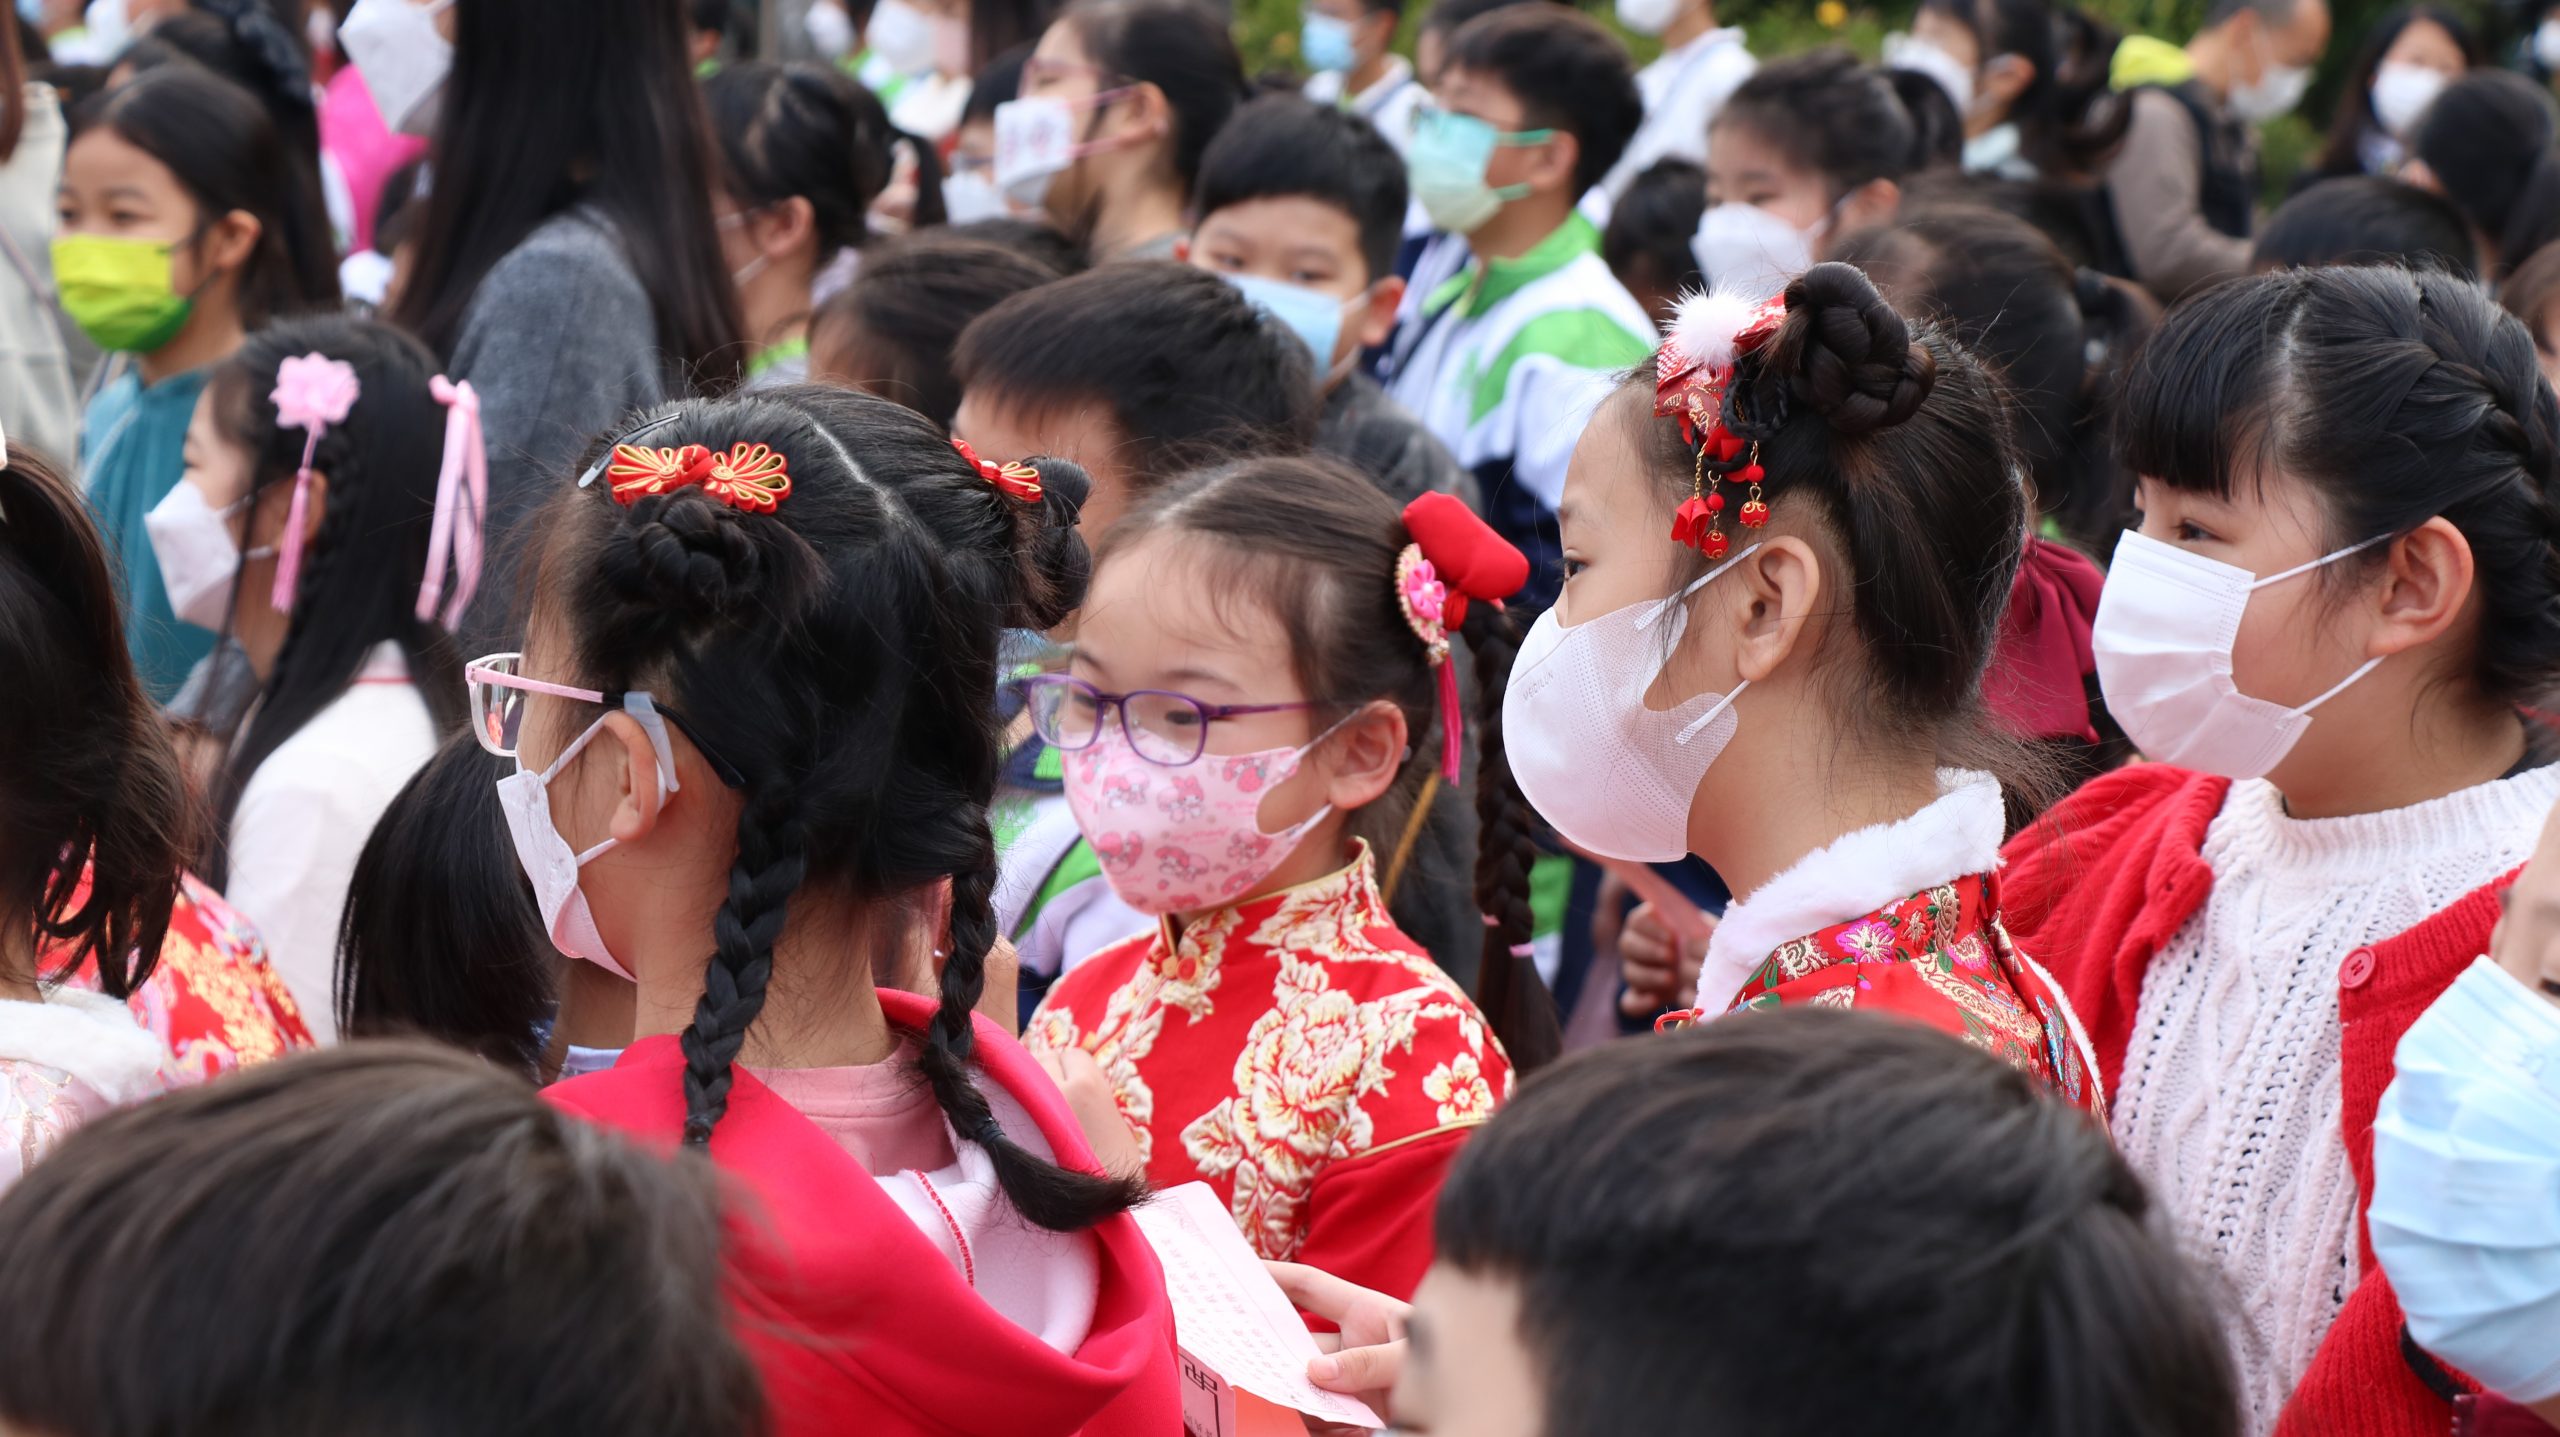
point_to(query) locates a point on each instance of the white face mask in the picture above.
(1036, 141)
(1613, 776)
(901, 35)
(1908, 52)
(1751, 251)
(2165, 626)
(830, 29)
(403, 59)
(2278, 89)
(2546, 44)
(2401, 93)
(198, 556)
(971, 195)
(2466, 1182)
(547, 858)
(1648, 17)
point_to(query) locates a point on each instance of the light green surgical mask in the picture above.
(1447, 163)
(119, 291)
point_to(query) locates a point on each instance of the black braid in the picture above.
(772, 859)
(1514, 999)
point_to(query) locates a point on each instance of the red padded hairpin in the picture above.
(752, 477)
(1017, 479)
(1454, 557)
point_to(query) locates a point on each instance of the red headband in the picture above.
(1454, 557)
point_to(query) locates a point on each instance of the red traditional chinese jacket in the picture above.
(1300, 1055)
(1926, 942)
(214, 1000)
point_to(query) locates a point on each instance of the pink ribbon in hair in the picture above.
(312, 392)
(460, 511)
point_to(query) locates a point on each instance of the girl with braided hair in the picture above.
(755, 742)
(1789, 542)
(1260, 712)
(2334, 630)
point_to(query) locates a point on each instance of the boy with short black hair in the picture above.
(1350, 45)
(1506, 360)
(1301, 207)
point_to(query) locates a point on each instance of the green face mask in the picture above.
(119, 291)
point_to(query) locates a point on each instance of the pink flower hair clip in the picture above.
(312, 393)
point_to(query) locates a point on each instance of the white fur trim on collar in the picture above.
(90, 1036)
(1855, 874)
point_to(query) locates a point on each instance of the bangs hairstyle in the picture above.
(1779, 1189)
(2397, 397)
(1288, 146)
(838, 656)
(1315, 545)
(1567, 72)
(382, 1238)
(95, 817)
(1829, 115)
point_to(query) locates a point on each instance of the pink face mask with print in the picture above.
(1177, 840)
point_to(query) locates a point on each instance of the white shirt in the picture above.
(1682, 92)
(306, 814)
(1388, 104)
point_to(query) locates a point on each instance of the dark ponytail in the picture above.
(810, 131)
(787, 646)
(91, 793)
(1317, 546)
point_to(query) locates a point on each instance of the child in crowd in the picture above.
(1350, 47)
(184, 226)
(2486, 144)
(1251, 768)
(2366, 219)
(1504, 362)
(1648, 243)
(2328, 631)
(2030, 79)
(1823, 502)
(1811, 148)
(736, 787)
(1700, 65)
(1302, 208)
(804, 151)
(1123, 97)
(892, 330)
(1137, 373)
(1697, 1236)
(969, 191)
(306, 530)
(386, 1239)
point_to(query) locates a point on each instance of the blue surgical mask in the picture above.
(1447, 164)
(1312, 315)
(1326, 43)
(2466, 1182)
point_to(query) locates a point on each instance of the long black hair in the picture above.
(838, 656)
(812, 132)
(2489, 139)
(217, 140)
(91, 790)
(243, 42)
(361, 571)
(2339, 153)
(568, 103)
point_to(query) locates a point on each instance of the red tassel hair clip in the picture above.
(1709, 335)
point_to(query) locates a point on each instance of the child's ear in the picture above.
(787, 226)
(2426, 585)
(1378, 318)
(1182, 249)
(1368, 752)
(229, 241)
(1557, 161)
(639, 799)
(274, 510)
(1777, 589)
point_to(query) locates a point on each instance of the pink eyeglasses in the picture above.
(499, 691)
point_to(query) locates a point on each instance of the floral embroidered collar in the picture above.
(1943, 926)
(1855, 875)
(1349, 895)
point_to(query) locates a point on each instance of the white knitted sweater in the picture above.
(2229, 1101)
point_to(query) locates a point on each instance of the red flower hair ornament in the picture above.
(755, 478)
(1709, 335)
(1454, 557)
(1021, 481)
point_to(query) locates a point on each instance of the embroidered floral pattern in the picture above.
(1272, 1041)
(1941, 958)
(214, 1000)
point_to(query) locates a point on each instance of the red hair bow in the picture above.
(1467, 556)
(1017, 479)
(752, 477)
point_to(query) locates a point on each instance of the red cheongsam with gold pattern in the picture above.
(214, 1000)
(1300, 1055)
(1940, 958)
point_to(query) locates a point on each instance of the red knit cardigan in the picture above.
(2098, 885)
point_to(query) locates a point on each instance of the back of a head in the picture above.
(1786, 1196)
(1035, 239)
(1937, 126)
(1284, 146)
(1826, 112)
(891, 332)
(381, 1238)
(802, 131)
(1651, 226)
(253, 50)
(1566, 71)
(441, 938)
(1192, 372)
(2488, 141)
(2394, 397)
(1183, 48)
(91, 783)
(218, 141)
(2367, 219)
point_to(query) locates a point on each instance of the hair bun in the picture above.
(1848, 354)
(687, 558)
(1057, 566)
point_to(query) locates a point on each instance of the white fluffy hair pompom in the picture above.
(1703, 325)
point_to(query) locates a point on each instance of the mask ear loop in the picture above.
(1695, 726)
